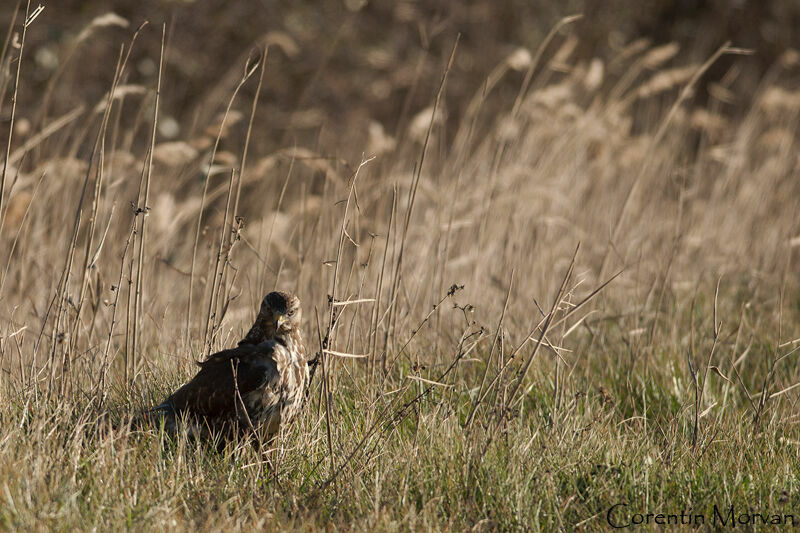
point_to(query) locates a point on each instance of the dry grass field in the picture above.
(571, 285)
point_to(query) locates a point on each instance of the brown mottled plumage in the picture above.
(270, 371)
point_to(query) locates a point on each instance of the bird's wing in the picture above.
(212, 393)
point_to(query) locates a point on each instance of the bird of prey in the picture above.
(257, 386)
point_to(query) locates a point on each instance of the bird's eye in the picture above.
(291, 312)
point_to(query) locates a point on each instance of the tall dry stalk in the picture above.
(13, 105)
(412, 194)
(144, 208)
(249, 70)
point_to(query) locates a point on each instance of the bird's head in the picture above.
(280, 312)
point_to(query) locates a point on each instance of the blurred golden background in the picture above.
(336, 67)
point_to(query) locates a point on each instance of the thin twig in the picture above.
(13, 110)
(145, 207)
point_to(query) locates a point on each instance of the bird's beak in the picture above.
(279, 321)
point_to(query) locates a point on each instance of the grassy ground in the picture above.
(587, 299)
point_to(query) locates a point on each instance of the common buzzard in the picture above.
(259, 385)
